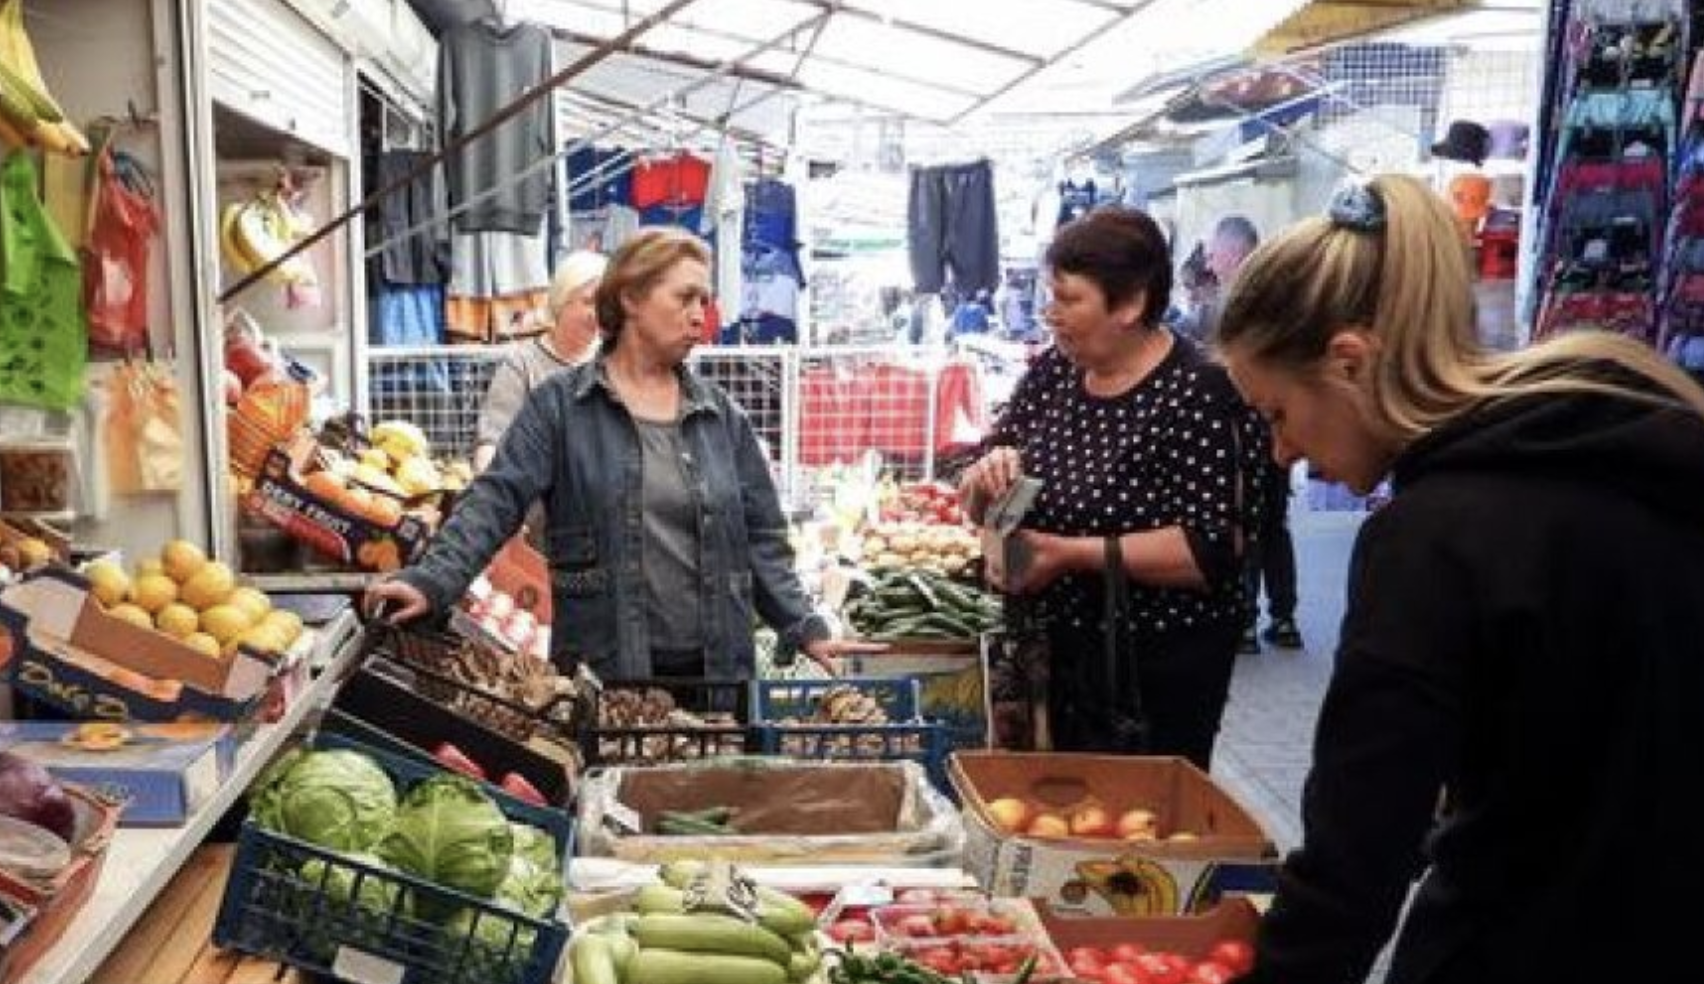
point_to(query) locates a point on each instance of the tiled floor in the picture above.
(1267, 736)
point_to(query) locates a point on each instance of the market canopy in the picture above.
(1321, 22)
(936, 61)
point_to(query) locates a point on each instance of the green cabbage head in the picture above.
(449, 832)
(337, 799)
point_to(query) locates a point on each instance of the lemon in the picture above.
(127, 612)
(108, 582)
(224, 622)
(207, 587)
(181, 559)
(264, 638)
(289, 624)
(152, 592)
(177, 620)
(203, 643)
(253, 602)
(33, 552)
(150, 566)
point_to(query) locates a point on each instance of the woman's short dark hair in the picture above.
(1124, 253)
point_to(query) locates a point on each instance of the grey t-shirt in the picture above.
(670, 560)
(481, 69)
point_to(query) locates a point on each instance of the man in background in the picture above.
(1273, 561)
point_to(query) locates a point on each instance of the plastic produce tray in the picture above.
(272, 910)
(905, 737)
(603, 745)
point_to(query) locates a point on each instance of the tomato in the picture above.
(1123, 973)
(917, 926)
(1235, 954)
(852, 931)
(916, 896)
(951, 921)
(1127, 952)
(1160, 969)
(940, 959)
(1093, 953)
(1210, 972)
(988, 924)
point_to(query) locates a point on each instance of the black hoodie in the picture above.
(1526, 630)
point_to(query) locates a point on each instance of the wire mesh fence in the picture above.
(812, 409)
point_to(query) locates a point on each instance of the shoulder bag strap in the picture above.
(1122, 675)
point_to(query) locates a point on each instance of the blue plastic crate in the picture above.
(905, 737)
(378, 922)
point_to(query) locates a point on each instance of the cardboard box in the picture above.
(1193, 936)
(159, 773)
(1096, 876)
(69, 653)
(54, 903)
(281, 497)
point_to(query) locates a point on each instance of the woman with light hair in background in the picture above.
(1523, 627)
(570, 339)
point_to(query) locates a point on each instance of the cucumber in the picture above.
(622, 950)
(777, 912)
(675, 967)
(592, 960)
(709, 932)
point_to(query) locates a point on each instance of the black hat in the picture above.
(1464, 141)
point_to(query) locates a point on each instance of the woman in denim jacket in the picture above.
(666, 539)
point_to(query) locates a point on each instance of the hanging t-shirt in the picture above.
(482, 67)
(682, 180)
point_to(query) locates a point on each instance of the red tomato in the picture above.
(1126, 952)
(1123, 973)
(988, 924)
(1235, 954)
(940, 959)
(1210, 972)
(1093, 953)
(916, 896)
(918, 926)
(951, 921)
(851, 931)
(1160, 969)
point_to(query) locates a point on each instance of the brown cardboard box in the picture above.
(1103, 876)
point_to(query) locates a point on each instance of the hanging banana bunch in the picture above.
(29, 115)
(255, 232)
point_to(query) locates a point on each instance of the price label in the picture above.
(361, 967)
(625, 817)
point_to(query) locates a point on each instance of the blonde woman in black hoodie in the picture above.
(1525, 625)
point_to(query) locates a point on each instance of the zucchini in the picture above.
(777, 912)
(800, 966)
(592, 960)
(710, 932)
(675, 967)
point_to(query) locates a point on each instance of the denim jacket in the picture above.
(575, 447)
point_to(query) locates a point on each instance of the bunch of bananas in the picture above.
(29, 115)
(254, 233)
(690, 930)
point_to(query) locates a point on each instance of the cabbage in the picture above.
(536, 846)
(449, 832)
(337, 799)
(377, 895)
(491, 954)
(533, 890)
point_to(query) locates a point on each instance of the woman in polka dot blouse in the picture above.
(1136, 437)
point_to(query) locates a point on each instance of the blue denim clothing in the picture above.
(575, 446)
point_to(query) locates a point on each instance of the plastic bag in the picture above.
(115, 262)
(143, 433)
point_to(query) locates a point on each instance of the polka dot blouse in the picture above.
(1173, 450)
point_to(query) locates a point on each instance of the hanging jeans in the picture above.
(951, 225)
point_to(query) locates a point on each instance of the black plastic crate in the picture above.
(331, 914)
(651, 744)
(424, 661)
